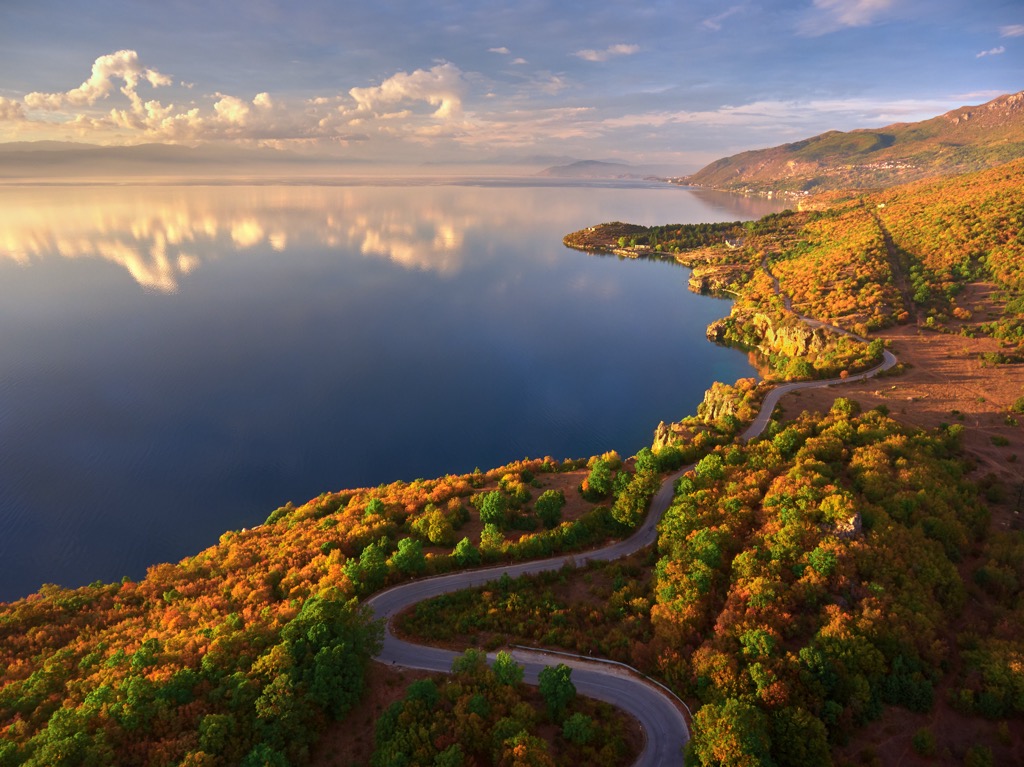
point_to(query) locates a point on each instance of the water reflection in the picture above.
(318, 338)
(161, 235)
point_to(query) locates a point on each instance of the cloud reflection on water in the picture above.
(159, 235)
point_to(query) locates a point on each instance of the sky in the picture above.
(673, 83)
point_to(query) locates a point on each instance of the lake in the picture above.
(177, 361)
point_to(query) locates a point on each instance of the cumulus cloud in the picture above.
(121, 65)
(440, 87)
(620, 49)
(1012, 30)
(833, 15)
(397, 107)
(11, 110)
(502, 50)
(991, 52)
(231, 109)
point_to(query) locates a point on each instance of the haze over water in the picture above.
(179, 361)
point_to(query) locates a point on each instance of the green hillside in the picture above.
(967, 139)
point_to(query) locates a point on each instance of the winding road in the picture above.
(664, 726)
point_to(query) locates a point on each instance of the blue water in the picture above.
(179, 361)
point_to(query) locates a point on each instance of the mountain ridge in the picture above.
(962, 140)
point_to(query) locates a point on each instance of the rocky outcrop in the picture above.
(715, 280)
(850, 528)
(665, 435)
(723, 400)
(767, 335)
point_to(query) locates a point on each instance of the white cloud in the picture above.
(11, 110)
(715, 22)
(502, 50)
(1012, 30)
(620, 49)
(122, 65)
(231, 109)
(992, 52)
(519, 60)
(441, 87)
(833, 15)
(781, 115)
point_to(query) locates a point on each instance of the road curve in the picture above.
(664, 726)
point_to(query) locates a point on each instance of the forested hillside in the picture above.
(837, 569)
(967, 139)
(802, 583)
(242, 653)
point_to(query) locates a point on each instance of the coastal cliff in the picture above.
(768, 335)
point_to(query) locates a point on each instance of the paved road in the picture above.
(665, 730)
(662, 720)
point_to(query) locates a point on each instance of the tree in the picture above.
(525, 750)
(549, 507)
(493, 508)
(369, 572)
(506, 670)
(409, 558)
(734, 734)
(599, 482)
(491, 539)
(799, 738)
(578, 729)
(466, 554)
(450, 757)
(557, 689)
(330, 643)
(471, 662)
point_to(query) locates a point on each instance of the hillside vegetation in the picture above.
(966, 139)
(805, 584)
(802, 583)
(243, 653)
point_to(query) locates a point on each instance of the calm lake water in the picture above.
(179, 361)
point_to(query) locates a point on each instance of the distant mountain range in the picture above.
(966, 139)
(52, 159)
(59, 159)
(597, 169)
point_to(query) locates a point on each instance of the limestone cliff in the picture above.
(712, 280)
(767, 335)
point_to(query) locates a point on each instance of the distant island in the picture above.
(598, 169)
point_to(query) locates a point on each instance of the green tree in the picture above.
(466, 554)
(493, 508)
(557, 689)
(598, 483)
(370, 571)
(549, 507)
(450, 757)
(491, 539)
(506, 670)
(710, 468)
(265, 756)
(331, 642)
(799, 739)
(409, 558)
(578, 729)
